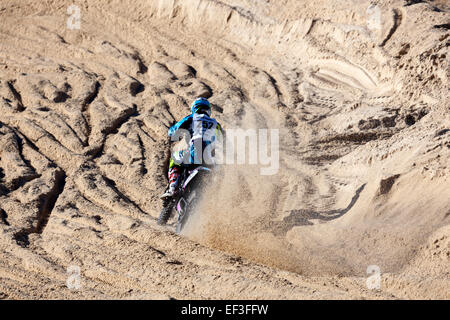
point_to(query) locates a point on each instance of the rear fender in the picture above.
(193, 174)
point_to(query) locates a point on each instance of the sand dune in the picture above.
(358, 90)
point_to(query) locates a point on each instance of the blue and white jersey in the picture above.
(203, 131)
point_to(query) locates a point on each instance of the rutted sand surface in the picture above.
(364, 123)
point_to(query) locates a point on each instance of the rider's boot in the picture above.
(174, 177)
(168, 194)
(171, 190)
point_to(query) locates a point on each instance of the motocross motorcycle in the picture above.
(187, 196)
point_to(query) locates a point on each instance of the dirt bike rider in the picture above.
(203, 131)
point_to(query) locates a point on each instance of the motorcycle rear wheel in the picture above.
(165, 214)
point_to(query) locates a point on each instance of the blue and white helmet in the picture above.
(201, 104)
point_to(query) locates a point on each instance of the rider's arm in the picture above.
(182, 124)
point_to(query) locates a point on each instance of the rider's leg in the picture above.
(174, 178)
(168, 199)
